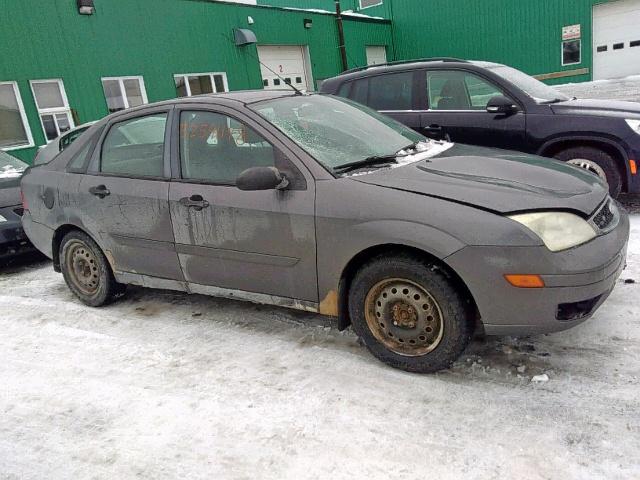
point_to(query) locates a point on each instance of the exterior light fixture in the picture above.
(86, 7)
(308, 23)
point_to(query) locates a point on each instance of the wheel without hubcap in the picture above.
(83, 268)
(404, 317)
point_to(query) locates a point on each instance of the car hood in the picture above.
(497, 180)
(600, 108)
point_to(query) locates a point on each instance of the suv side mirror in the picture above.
(262, 178)
(501, 104)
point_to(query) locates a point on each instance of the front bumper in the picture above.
(13, 240)
(578, 281)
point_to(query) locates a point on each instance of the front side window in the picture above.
(124, 92)
(14, 128)
(336, 131)
(540, 92)
(457, 90)
(216, 148)
(571, 52)
(53, 107)
(135, 147)
(201, 83)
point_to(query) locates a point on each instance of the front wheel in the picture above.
(597, 162)
(86, 270)
(409, 313)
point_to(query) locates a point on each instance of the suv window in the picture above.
(457, 90)
(393, 91)
(216, 148)
(135, 147)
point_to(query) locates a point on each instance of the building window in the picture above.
(53, 107)
(200, 83)
(571, 52)
(369, 3)
(14, 128)
(124, 92)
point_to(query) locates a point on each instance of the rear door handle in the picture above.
(194, 201)
(100, 191)
(433, 128)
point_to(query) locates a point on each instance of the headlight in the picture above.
(634, 124)
(558, 230)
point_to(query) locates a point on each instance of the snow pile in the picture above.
(9, 171)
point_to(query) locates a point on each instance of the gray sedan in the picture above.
(320, 204)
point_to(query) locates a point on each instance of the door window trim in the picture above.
(176, 159)
(65, 109)
(23, 117)
(95, 162)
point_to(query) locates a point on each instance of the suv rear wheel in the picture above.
(86, 270)
(597, 162)
(409, 314)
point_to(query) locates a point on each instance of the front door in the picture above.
(456, 109)
(252, 241)
(124, 197)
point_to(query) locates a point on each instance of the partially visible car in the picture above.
(13, 240)
(47, 152)
(494, 105)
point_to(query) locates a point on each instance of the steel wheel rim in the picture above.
(404, 317)
(83, 267)
(590, 166)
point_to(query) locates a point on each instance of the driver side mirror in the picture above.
(501, 104)
(262, 178)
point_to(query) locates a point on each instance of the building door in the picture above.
(616, 37)
(290, 64)
(376, 54)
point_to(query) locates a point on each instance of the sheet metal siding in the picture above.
(526, 34)
(155, 39)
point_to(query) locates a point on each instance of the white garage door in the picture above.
(376, 54)
(289, 62)
(616, 39)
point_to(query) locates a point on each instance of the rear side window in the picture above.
(135, 147)
(391, 92)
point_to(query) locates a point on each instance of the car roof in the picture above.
(373, 70)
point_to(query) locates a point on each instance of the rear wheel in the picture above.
(409, 313)
(86, 271)
(597, 162)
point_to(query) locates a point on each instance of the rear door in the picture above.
(124, 195)
(258, 241)
(454, 106)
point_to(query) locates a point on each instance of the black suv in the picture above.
(489, 104)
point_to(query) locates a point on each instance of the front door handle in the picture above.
(100, 191)
(194, 201)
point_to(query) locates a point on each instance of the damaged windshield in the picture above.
(338, 132)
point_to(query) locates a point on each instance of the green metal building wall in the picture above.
(156, 39)
(526, 34)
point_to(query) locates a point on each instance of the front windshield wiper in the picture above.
(375, 161)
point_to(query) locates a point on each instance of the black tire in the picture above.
(456, 325)
(602, 159)
(96, 285)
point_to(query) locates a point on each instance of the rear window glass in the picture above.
(391, 92)
(135, 147)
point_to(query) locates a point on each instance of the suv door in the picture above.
(455, 105)
(124, 195)
(252, 241)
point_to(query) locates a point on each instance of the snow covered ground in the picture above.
(163, 385)
(619, 89)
